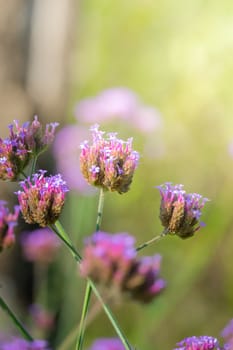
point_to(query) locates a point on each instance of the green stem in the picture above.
(62, 234)
(153, 240)
(15, 320)
(33, 168)
(87, 297)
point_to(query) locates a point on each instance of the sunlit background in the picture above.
(160, 72)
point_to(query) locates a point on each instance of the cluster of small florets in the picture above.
(40, 246)
(8, 221)
(22, 344)
(199, 343)
(180, 212)
(42, 198)
(23, 143)
(109, 162)
(112, 262)
(107, 344)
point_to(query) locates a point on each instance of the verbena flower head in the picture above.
(42, 198)
(40, 246)
(23, 143)
(109, 162)
(203, 342)
(8, 221)
(22, 344)
(180, 211)
(107, 344)
(112, 262)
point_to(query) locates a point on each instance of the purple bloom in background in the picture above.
(8, 221)
(179, 211)
(109, 162)
(22, 344)
(40, 245)
(107, 344)
(198, 343)
(42, 198)
(44, 319)
(227, 334)
(111, 261)
(66, 150)
(22, 144)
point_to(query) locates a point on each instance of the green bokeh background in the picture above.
(177, 56)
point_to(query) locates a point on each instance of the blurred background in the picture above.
(162, 73)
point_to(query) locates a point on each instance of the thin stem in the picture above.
(83, 316)
(15, 320)
(33, 167)
(87, 297)
(153, 240)
(62, 234)
(23, 173)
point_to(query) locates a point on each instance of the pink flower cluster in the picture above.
(22, 344)
(180, 212)
(8, 221)
(109, 162)
(25, 142)
(203, 342)
(42, 198)
(111, 261)
(107, 344)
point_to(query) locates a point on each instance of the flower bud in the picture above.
(180, 212)
(8, 222)
(42, 198)
(111, 261)
(109, 162)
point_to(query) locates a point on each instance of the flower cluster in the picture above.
(40, 245)
(25, 142)
(107, 344)
(203, 342)
(112, 262)
(8, 221)
(42, 198)
(109, 162)
(227, 334)
(180, 212)
(22, 344)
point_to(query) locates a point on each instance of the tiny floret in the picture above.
(203, 342)
(109, 162)
(111, 261)
(42, 198)
(8, 221)
(180, 211)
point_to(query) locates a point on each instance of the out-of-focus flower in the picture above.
(112, 262)
(40, 245)
(109, 162)
(8, 221)
(44, 319)
(23, 143)
(107, 344)
(22, 344)
(227, 334)
(203, 342)
(42, 198)
(180, 211)
(67, 157)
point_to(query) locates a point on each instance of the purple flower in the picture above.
(227, 334)
(109, 162)
(23, 143)
(22, 344)
(67, 157)
(107, 344)
(198, 343)
(180, 212)
(40, 245)
(8, 222)
(111, 261)
(42, 198)
(43, 318)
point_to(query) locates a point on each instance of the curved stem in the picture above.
(153, 240)
(62, 234)
(15, 320)
(88, 290)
